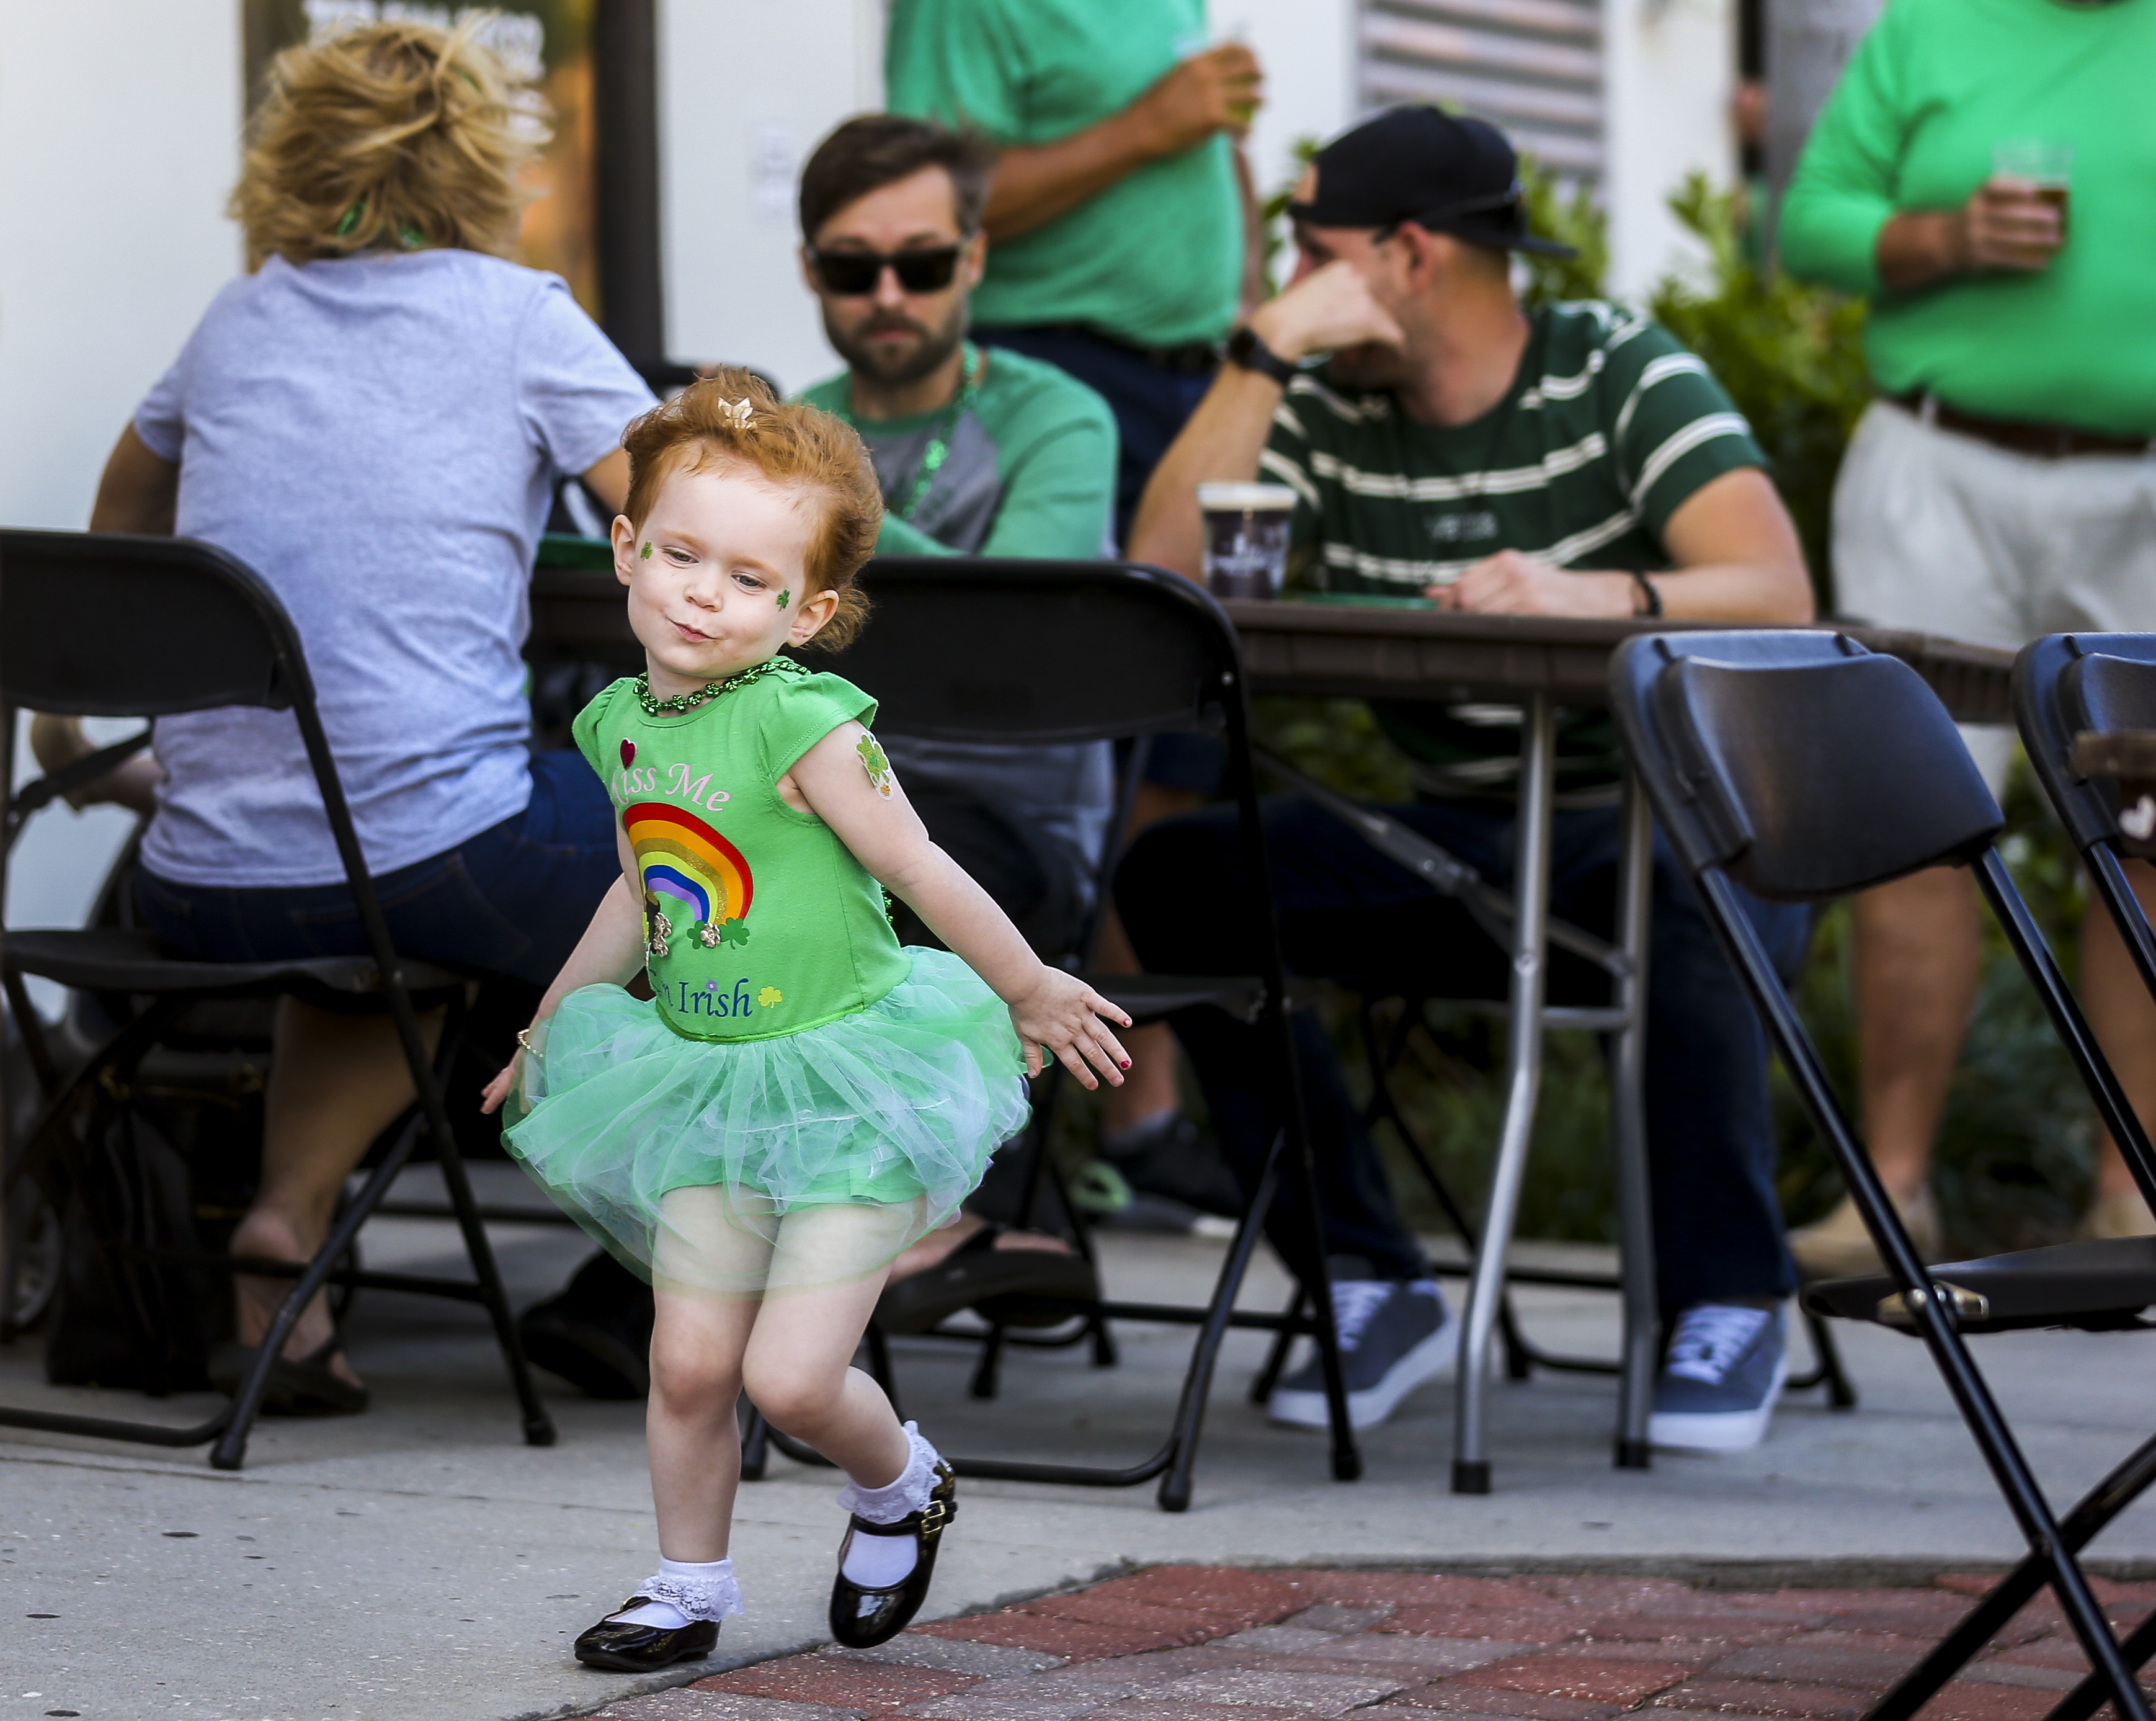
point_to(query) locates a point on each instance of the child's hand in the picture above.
(1063, 1014)
(497, 1089)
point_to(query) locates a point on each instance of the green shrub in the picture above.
(1791, 356)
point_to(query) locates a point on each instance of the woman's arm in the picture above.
(609, 953)
(608, 481)
(874, 819)
(139, 492)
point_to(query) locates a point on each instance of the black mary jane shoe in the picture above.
(621, 1647)
(861, 1618)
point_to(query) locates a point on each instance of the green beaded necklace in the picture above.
(654, 707)
(939, 445)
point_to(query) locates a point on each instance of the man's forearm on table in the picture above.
(1743, 593)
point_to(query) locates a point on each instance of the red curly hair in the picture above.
(790, 445)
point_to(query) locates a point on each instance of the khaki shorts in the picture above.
(1945, 534)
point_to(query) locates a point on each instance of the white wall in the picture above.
(112, 204)
(747, 88)
(119, 122)
(1308, 49)
(1669, 70)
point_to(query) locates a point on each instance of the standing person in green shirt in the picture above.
(2003, 485)
(1123, 226)
(1125, 237)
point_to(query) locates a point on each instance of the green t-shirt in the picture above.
(1933, 88)
(1030, 469)
(758, 921)
(1610, 427)
(1155, 260)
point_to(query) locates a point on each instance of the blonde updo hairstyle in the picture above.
(388, 137)
(791, 445)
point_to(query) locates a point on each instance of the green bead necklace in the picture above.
(939, 445)
(654, 707)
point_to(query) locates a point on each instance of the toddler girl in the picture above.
(800, 1098)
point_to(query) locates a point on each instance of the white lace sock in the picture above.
(878, 1562)
(685, 1589)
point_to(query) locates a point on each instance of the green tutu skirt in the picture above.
(747, 1167)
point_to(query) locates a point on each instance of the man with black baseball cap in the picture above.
(1573, 460)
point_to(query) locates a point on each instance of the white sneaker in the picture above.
(1720, 1379)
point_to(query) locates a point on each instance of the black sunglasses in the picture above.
(850, 273)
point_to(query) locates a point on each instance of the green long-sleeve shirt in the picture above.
(1934, 87)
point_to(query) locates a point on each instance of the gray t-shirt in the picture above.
(1029, 471)
(378, 437)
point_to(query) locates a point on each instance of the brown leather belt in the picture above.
(2049, 442)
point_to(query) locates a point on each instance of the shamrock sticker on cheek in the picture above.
(785, 597)
(644, 553)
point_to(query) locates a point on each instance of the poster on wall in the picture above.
(549, 42)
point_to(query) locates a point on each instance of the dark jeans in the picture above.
(514, 899)
(1349, 913)
(1151, 405)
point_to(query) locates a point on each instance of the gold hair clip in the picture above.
(737, 413)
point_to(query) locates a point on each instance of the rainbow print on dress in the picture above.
(693, 877)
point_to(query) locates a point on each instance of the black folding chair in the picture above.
(203, 632)
(1040, 653)
(1584, 967)
(1804, 767)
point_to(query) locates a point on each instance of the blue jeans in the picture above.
(1151, 405)
(1349, 913)
(513, 901)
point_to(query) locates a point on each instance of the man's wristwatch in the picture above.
(1246, 347)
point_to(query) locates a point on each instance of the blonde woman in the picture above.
(374, 418)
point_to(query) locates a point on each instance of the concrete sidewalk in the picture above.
(419, 1562)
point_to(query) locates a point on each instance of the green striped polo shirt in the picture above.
(1609, 426)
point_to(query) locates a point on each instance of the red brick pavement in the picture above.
(1202, 1643)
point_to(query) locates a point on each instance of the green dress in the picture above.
(802, 1097)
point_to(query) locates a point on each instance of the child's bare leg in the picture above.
(696, 1349)
(706, 1257)
(797, 1370)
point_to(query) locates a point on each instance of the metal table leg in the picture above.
(1628, 1131)
(1470, 1463)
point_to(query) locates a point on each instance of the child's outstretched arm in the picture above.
(852, 788)
(610, 952)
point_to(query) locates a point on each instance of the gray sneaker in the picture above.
(1394, 1335)
(1724, 1371)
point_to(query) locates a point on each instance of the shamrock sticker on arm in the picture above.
(876, 764)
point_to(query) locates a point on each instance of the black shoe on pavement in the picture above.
(861, 1618)
(976, 1274)
(621, 1647)
(597, 1333)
